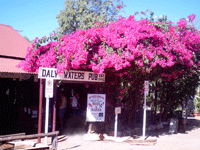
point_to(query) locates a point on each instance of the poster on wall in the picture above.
(96, 107)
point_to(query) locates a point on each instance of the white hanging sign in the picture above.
(117, 110)
(49, 88)
(96, 107)
(146, 87)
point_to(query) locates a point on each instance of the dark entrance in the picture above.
(16, 95)
(77, 123)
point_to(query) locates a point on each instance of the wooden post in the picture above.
(46, 120)
(40, 110)
(54, 107)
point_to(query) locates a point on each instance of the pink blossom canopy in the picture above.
(126, 43)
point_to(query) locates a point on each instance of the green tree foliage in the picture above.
(82, 14)
(30, 41)
(197, 99)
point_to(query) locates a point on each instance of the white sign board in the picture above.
(146, 87)
(49, 88)
(71, 75)
(96, 107)
(117, 110)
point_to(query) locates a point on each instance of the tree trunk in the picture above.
(170, 102)
(130, 123)
(135, 113)
(155, 102)
(169, 105)
(162, 102)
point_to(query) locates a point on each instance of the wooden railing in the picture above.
(22, 136)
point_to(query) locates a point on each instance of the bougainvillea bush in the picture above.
(127, 43)
(127, 47)
(131, 50)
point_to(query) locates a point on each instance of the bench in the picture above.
(9, 135)
(22, 136)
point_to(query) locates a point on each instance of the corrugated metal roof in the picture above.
(9, 65)
(12, 43)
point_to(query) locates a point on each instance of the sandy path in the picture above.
(181, 141)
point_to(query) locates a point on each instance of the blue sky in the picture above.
(37, 18)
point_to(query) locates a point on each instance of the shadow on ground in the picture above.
(191, 124)
(74, 125)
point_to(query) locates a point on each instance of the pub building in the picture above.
(69, 83)
(20, 91)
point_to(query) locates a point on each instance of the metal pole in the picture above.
(40, 111)
(144, 116)
(116, 118)
(46, 120)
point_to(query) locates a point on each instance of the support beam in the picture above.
(54, 107)
(40, 110)
(46, 121)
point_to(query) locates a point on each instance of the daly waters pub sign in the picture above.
(71, 75)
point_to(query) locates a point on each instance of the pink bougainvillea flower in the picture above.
(182, 23)
(127, 44)
(191, 17)
(119, 7)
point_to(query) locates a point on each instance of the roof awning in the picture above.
(8, 69)
(9, 66)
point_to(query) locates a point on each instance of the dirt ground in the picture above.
(190, 140)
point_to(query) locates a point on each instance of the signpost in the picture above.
(146, 92)
(48, 94)
(117, 111)
(49, 84)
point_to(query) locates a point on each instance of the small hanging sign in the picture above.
(49, 88)
(117, 110)
(146, 87)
